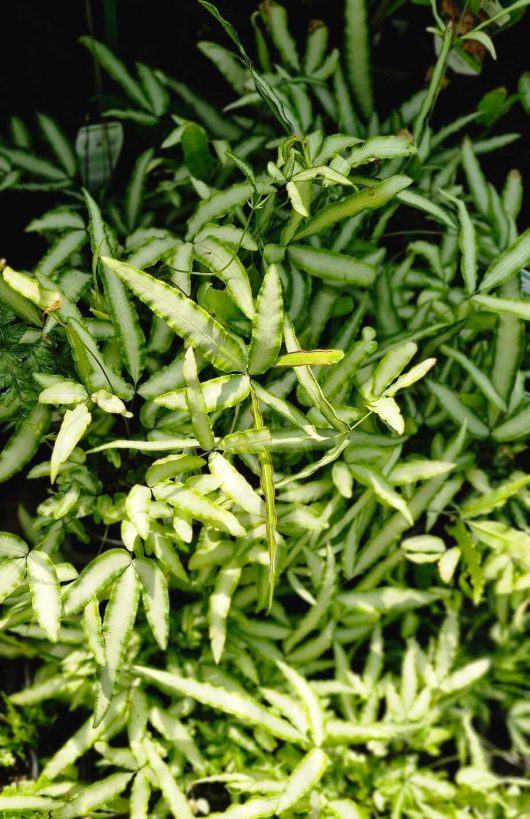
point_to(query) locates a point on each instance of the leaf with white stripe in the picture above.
(303, 779)
(12, 573)
(95, 578)
(195, 402)
(59, 143)
(219, 606)
(92, 628)
(75, 424)
(140, 795)
(468, 245)
(116, 69)
(186, 318)
(135, 188)
(12, 546)
(309, 700)
(223, 261)
(219, 393)
(118, 623)
(94, 796)
(242, 706)
(509, 263)
(45, 593)
(235, 485)
(194, 503)
(267, 325)
(176, 801)
(137, 506)
(155, 597)
(122, 312)
(382, 488)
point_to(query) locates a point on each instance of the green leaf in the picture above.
(64, 392)
(310, 384)
(219, 606)
(217, 205)
(19, 304)
(475, 178)
(92, 629)
(140, 796)
(488, 501)
(382, 488)
(62, 249)
(391, 366)
(304, 778)
(310, 358)
(334, 268)
(155, 597)
(59, 143)
(23, 804)
(33, 164)
(137, 506)
(468, 245)
(388, 410)
(508, 264)
(218, 393)
(310, 621)
(74, 425)
(45, 593)
(241, 706)
(185, 317)
(223, 261)
(135, 188)
(235, 485)
(503, 538)
(24, 442)
(91, 365)
(94, 796)
(481, 380)
(267, 323)
(122, 312)
(12, 573)
(12, 546)
(309, 700)
(368, 199)
(173, 796)
(192, 502)
(95, 578)
(457, 410)
(386, 599)
(116, 69)
(263, 88)
(85, 738)
(513, 307)
(514, 428)
(195, 402)
(227, 63)
(154, 89)
(118, 623)
(418, 470)
(357, 51)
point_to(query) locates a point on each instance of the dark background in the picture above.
(45, 69)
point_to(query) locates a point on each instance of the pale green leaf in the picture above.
(45, 593)
(74, 425)
(267, 325)
(185, 317)
(155, 597)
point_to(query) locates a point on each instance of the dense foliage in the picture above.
(277, 391)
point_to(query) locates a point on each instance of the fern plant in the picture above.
(281, 568)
